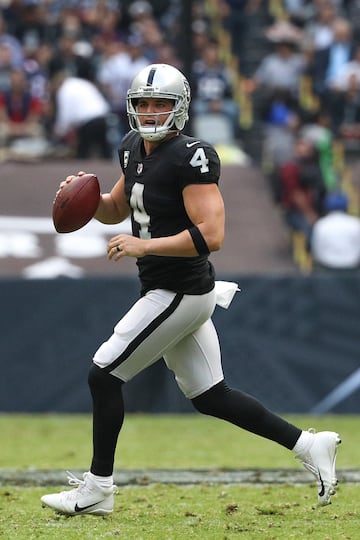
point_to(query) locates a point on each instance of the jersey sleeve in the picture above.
(200, 164)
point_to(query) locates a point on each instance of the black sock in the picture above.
(108, 417)
(246, 412)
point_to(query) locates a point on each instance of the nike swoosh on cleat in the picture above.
(190, 144)
(82, 508)
(322, 490)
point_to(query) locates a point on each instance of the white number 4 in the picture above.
(199, 159)
(139, 213)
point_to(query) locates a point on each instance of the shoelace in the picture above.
(74, 480)
(81, 484)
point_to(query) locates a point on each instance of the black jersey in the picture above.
(153, 187)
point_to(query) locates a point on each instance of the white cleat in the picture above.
(86, 498)
(320, 460)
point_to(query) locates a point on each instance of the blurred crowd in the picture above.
(65, 67)
(305, 93)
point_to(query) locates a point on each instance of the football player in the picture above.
(169, 187)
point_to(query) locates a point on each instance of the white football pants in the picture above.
(174, 326)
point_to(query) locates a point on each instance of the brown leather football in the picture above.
(76, 203)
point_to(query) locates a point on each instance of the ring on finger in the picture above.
(118, 248)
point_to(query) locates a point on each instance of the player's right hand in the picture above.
(69, 178)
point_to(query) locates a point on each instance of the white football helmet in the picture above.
(159, 81)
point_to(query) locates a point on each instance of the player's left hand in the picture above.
(125, 245)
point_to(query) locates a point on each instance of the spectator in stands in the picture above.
(36, 60)
(69, 23)
(116, 71)
(349, 73)
(12, 42)
(166, 54)
(81, 115)
(104, 16)
(345, 99)
(31, 27)
(212, 85)
(144, 24)
(138, 11)
(200, 38)
(315, 129)
(301, 188)
(21, 114)
(108, 30)
(335, 243)
(328, 61)
(281, 120)
(299, 11)
(5, 67)
(235, 15)
(275, 85)
(319, 31)
(353, 15)
(68, 57)
(284, 66)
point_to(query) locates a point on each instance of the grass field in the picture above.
(165, 511)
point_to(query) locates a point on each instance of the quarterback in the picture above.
(169, 188)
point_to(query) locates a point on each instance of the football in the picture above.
(76, 203)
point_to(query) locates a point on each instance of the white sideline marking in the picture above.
(44, 225)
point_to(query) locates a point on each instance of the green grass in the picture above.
(160, 512)
(172, 512)
(161, 441)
